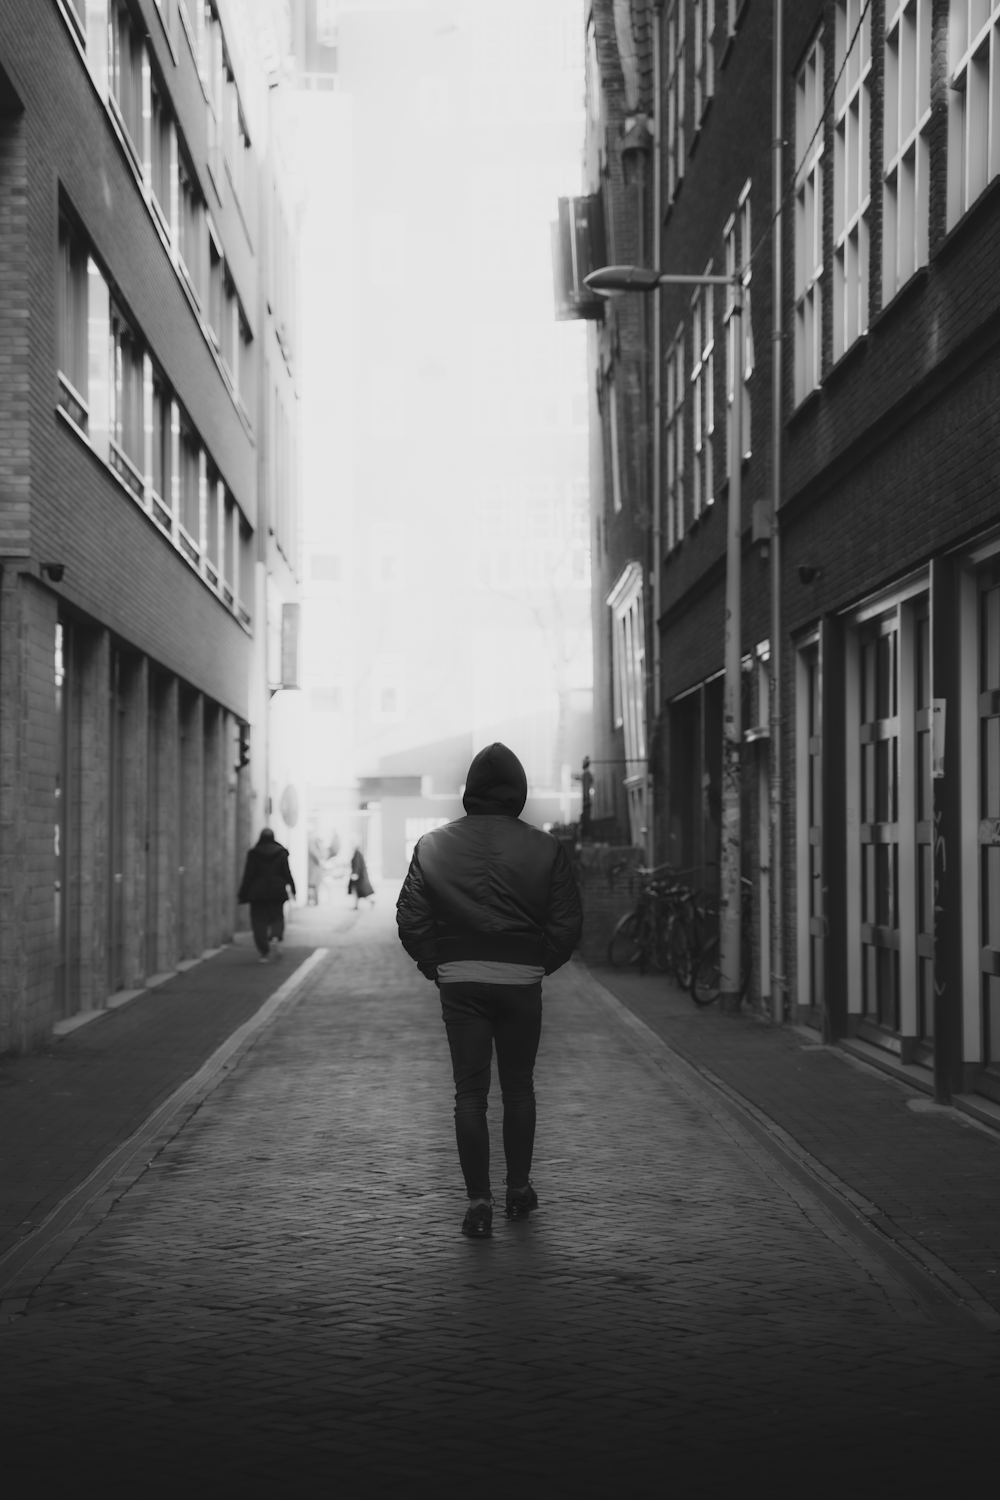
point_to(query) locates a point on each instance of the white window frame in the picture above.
(616, 479)
(704, 57)
(92, 39)
(737, 235)
(973, 102)
(851, 172)
(676, 390)
(905, 142)
(629, 670)
(703, 396)
(809, 146)
(676, 97)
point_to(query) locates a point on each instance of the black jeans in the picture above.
(267, 918)
(475, 1015)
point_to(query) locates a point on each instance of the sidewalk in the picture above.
(64, 1109)
(931, 1176)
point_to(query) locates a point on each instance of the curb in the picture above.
(26, 1264)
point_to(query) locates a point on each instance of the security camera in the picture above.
(54, 571)
(808, 574)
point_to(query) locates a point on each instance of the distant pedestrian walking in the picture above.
(266, 883)
(489, 907)
(316, 870)
(359, 886)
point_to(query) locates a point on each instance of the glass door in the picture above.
(116, 828)
(989, 817)
(60, 884)
(924, 834)
(879, 822)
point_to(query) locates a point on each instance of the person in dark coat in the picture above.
(359, 886)
(488, 908)
(267, 881)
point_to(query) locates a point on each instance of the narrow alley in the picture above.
(275, 1298)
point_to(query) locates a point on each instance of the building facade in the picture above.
(870, 520)
(131, 497)
(618, 188)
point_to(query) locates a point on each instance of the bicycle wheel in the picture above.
(624, 945)
(674, 951)
(706, 976)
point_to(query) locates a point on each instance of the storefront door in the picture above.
(989, 817)
(890, 871)
(878, 740)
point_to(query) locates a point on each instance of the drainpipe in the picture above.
(778, 978)
(657, 559)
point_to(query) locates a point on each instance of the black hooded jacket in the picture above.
(266, 875)
(489, 886)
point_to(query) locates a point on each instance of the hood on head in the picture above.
(496, 782)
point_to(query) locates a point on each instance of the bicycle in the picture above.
(655, 931)
(706, 974)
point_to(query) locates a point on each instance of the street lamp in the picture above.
(613, 281)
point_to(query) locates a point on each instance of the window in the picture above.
(114, 393)
(616, 472)
(703, 392)
(72, 295)
(190, 491)
(216, 290)
(851, 179)
(230, 548)
(160, 153)
(973, 101)
(231, 332)
(594, 71)
(704, 56)
(675, 438)
(125, 72)
(126, 414)
(214, 516)
(243, 583)
(738, 250)
(808, 222)
(628, 673)
(676, 97)
(906, 122)
(238, 159)
(192, 229)
(164, 420)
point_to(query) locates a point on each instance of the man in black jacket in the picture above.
(266, 883)
(490, 906)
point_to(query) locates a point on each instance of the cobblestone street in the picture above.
(282, 1303)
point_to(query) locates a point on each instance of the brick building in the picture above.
(618, 183)
(141, 386)
(871, 510)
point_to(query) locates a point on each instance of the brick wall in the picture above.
(27, 786)
(15, 479)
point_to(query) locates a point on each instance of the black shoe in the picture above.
(519, 1204)
(478, 1222)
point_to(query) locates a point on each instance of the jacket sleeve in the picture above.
(288, 877)
(564, 919)
(415, 919)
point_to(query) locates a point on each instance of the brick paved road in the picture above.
(283, 1305)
